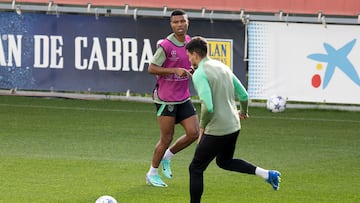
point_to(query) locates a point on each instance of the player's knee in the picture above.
(191, 167)
(193, 135)
(222, 163)
(166, 140)
(194, 169)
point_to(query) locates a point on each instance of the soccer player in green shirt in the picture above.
(218, 89)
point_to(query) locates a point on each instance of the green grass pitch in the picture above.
(63, 150)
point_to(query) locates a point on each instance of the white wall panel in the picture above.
(295, 60)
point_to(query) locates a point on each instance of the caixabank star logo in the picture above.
(334, 58)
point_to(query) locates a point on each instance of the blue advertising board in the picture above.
(71, 52)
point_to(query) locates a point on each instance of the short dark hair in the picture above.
(198, 45)
(177, 12)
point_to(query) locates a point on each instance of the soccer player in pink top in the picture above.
(172, 69)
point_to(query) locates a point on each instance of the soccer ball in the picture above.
(106, 199)
(276, 104)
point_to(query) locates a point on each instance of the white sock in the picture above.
(152, 171)
(262, 173)
(168, 154)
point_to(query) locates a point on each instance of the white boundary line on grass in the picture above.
(128, 97)
(75, 108)
(137, 111)
(307, 119)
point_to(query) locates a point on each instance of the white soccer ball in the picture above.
(106, 199)
(276, 104)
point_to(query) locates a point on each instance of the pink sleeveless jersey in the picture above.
(173, 88)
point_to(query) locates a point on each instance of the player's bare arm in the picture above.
(157, 70)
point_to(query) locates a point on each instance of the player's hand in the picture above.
(243, 116)
(182, 72)
(192, 70)
(201, 133)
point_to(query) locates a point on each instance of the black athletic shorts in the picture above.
(179, 111)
